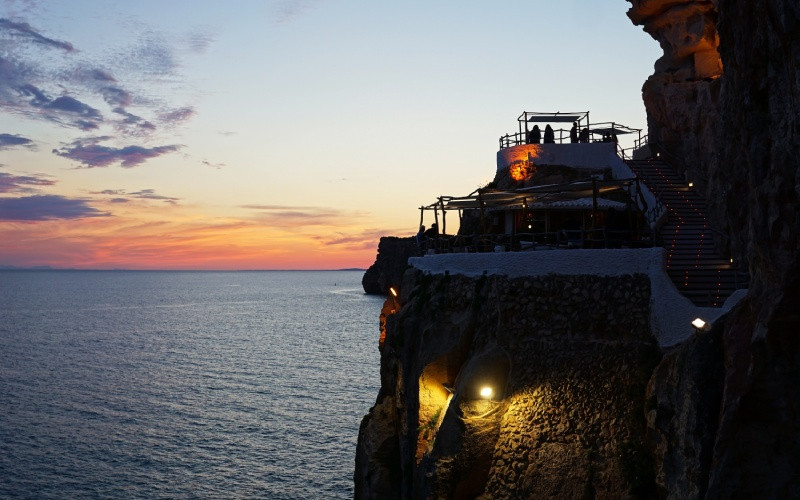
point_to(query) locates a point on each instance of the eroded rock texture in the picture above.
(567, 358)
(390, 264)
(681, 97)
(738, 134)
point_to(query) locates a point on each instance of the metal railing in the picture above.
(562, 135)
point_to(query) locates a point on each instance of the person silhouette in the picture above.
(573, 132)
(549, 135)
(535, 135)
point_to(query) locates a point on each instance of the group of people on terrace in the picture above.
(575, 135)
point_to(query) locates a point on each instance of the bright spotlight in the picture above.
(486, 392)
(698, 323)
(393, 291)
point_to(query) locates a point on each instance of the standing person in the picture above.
(421, 237)
(584, 135)
(535, 135)
(549, 135)
(573, 132)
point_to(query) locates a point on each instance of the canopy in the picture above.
(619, 130)
(534, 116)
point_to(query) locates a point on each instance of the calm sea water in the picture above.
(183, 384)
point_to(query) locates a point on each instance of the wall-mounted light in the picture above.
(486, 392)
(393, 291)
(691, 185)
(699, 324)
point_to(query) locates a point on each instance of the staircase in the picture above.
(692, 262)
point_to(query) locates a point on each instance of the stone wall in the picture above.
(568, 358)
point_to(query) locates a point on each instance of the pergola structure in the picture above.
(581, 118)
(588, 194)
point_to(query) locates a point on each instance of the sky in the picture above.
(287, 134)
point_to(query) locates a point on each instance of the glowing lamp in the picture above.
(698, 323)
(486, 392)
(691, 185)
(393, 291)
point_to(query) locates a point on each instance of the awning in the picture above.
(567, 117)
(617, 129)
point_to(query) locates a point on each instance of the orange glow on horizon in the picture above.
(181, 244)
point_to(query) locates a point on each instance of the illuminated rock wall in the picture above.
(568, 358)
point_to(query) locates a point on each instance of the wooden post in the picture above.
(594, 208)
(444, 216)
(483, 215)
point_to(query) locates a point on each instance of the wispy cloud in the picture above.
(90, 153)
(123, 196)
(10, 183)
(46, 207)
(361, 240)
(112, 92)
(9, 141)
(213, 165)
(25, 31)
(289, 216)
(288, 10)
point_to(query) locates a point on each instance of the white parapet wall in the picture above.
(671, 314)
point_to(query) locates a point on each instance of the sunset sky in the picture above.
(277, 134)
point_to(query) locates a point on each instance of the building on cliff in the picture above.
(518, 351)
(581, 191)
(571, 351)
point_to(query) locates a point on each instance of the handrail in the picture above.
(563, 135)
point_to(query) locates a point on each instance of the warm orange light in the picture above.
(521, 170)
(486, 392)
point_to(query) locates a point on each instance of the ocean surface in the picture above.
(184, 384)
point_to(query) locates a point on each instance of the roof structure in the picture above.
(557, 117)
(574, 195)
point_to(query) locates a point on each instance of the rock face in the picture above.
(739, 135)
(390, 264)
(682, 96)
(720, 417)
(567, 359)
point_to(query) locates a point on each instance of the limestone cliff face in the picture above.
(567, 359)
(681, 97)
(389, 265)
(721, 414)
(740, 135)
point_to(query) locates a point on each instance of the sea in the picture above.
(139, 384)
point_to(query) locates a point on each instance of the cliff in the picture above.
(585, 404)
(389, 265)
(567, 359)
(740, 138)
